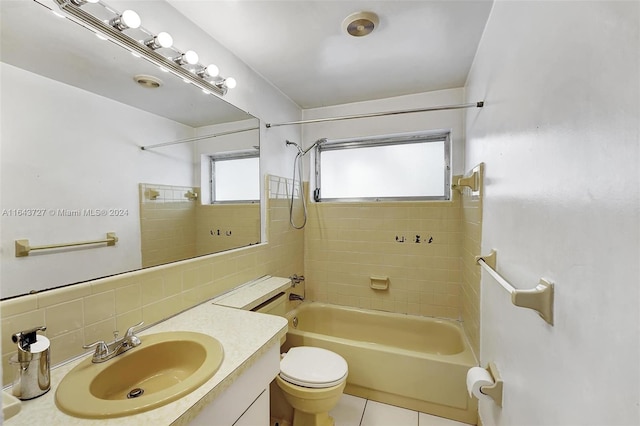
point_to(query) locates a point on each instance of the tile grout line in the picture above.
(366, 401)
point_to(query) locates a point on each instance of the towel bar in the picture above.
(540, 298)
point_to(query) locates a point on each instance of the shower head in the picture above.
(294, 144)
(304, 151)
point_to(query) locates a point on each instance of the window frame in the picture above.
(227, 156)
(386, 140)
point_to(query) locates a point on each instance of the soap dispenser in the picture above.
(32, 364)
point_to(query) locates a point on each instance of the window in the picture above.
(235, 177)
(396, 167)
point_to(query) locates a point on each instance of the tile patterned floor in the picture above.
(354, 411)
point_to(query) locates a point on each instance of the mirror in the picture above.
(73, 121)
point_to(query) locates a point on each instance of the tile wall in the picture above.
(426, 249)
(167, 224)
(86, 312)
(416, 245)
(174, 227)
(225, 226)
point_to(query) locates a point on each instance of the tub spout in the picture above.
(293, 296)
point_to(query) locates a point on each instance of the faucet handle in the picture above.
(129, 332)
(101, 349)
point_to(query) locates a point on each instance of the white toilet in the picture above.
(312, 380)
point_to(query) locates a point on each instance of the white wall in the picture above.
(559, 136)
(402, 123)
(65, 148)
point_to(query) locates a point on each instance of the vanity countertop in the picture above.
(245, 336)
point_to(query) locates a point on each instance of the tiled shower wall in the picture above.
(225, 226)
(167, 224)
(426, 249)
(174, 227)
(417, 245)
(86, 312)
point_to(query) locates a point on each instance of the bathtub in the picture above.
(409, 361)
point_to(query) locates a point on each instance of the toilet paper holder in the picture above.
(494, 391)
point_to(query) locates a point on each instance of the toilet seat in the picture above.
(313, 367)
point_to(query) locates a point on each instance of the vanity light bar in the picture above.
(87, 20)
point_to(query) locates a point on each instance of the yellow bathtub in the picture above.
(409, 361)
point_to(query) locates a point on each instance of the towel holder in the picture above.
(23, 248)
(540, 298)
(494, 391)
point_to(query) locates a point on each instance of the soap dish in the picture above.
(379, 282)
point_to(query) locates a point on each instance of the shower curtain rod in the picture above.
(479, 104)
(197, 138)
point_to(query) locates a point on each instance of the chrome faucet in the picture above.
(106, 351)
(295, 280)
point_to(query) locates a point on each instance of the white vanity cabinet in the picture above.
(246, 401)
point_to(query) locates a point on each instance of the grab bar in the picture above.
(23, 248)
(540, 298)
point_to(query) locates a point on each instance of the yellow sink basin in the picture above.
(166, 366)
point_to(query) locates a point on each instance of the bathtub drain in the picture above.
(134, 393)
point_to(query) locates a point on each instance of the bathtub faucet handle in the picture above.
(296, 279)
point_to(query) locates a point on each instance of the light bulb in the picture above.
(209, 71)
(128, 19)
(230, 82)
(161, 40)
(131, 19)
(189, 57)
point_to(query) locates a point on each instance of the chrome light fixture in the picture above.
(182, 64)
(187, 58)
(160, 40)
(127, 19)
(209, 71)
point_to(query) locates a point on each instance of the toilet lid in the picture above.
(313, 367)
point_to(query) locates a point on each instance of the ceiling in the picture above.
(301, 47)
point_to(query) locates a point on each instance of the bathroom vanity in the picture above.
(238, 393)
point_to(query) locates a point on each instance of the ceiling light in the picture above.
(229, 82)
(161, 40)
(147, 81)
(128, 19)
(209, 71)
(112, 28)
(187, 58)
(360, 24)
